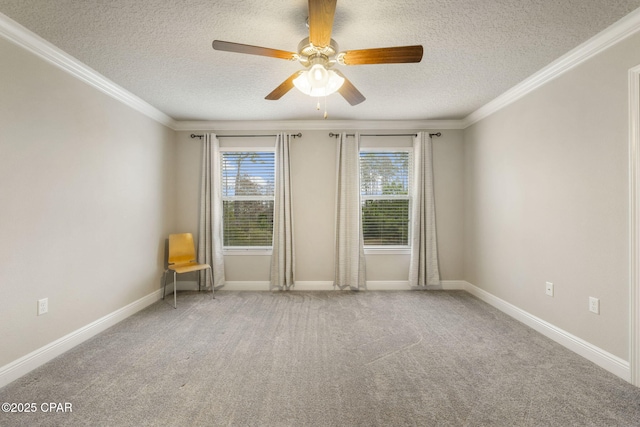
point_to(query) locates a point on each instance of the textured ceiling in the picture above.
(160, 50)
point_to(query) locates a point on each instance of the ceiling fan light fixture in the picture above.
(318, 81)
(318, 76)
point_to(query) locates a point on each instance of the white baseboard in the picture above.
(181, 285)
(327, 285)
(403, 285)
(31, 361)
(256, 285)
(317, 285)
(245, 286)
(600, 357)
(308, 285)
(454, 285)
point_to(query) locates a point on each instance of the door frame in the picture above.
(634, 225)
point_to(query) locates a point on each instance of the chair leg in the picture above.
(211, 282)
(164, 281)
(175, 298)
(199, 274)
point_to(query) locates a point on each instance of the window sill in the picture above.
(243, 252)
(386, 251)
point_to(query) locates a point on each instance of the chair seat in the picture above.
(188, 267)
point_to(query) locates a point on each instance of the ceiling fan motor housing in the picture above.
(309, 55)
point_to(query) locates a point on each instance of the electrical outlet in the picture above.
(549, 289)
(43, 306)
(594, 305)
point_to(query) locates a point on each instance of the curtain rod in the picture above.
(335, 135)
(193, 135)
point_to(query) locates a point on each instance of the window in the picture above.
(248, 179)
(384, 190)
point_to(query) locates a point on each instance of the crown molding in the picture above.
(625, 27)
(334, 125)
(21, 36)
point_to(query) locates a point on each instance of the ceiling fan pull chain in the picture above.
(325, 108)
(318, 105)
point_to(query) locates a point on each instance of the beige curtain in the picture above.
(210, 224)
(283, 255)
(423, 266)
(349, 253)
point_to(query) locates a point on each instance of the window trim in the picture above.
(247, 251)
(387, 250)
(390, 249)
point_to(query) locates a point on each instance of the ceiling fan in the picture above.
(319, 53)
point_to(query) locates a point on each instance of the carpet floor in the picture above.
(437, 358)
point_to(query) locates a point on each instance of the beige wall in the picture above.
(547, 200)
(84, 202)
(313, 160)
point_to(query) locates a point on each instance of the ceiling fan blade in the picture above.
(281, 90)
(252, 50)
(349, 91)
(321, 14)
(383, 55)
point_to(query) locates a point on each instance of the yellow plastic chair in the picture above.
(182, 259)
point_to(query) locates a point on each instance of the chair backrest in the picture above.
(181, 248)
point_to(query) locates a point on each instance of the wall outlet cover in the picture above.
(43, 306)
(549, 289)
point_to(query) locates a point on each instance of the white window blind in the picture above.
(384, 191)
(248, 179)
